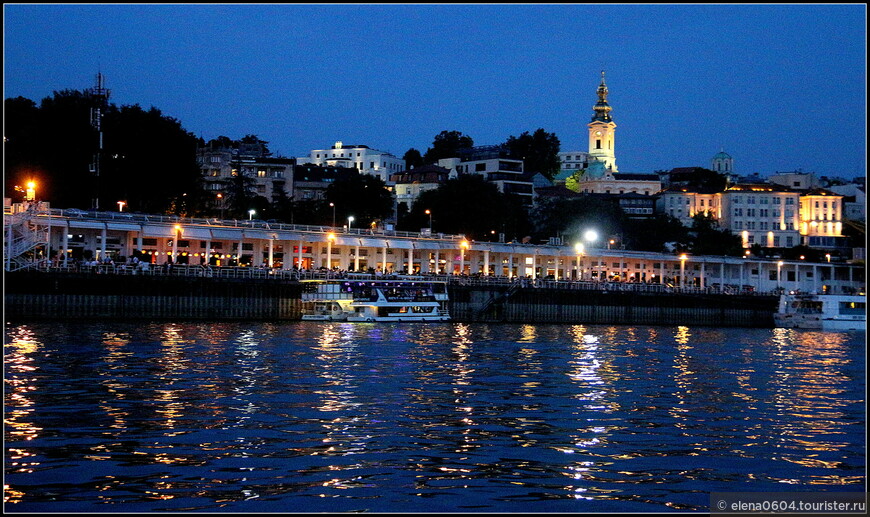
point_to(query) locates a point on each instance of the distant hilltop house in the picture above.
(492, 162)
(366, 160)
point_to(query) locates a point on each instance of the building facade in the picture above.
(272, 177)
(492, 163)
(365, 159)
(411, 183)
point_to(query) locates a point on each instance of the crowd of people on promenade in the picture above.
(115, 263)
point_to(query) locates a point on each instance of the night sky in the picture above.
(779, 87)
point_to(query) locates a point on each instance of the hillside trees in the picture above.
(539, 152)
(446, 145)
(471, 206)
(148, 160)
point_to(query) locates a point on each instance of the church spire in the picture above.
(601, 108)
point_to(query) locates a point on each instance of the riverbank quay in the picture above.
(610, 304)
(226, 294)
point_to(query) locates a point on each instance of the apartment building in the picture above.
(365, 159)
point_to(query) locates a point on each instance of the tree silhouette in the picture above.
(447, 145)
(539, 152)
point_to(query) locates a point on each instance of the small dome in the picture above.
(722, 155)
(596, 170)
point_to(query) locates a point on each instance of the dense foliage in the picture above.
(471, 206)
(539, 152)
(148, 160)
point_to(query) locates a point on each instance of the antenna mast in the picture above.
(100, 99)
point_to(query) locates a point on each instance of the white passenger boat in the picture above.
(822, 311)
(374, 300)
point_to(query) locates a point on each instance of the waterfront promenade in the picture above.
(43, 238)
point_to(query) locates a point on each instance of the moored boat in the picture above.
(822, 311)
(375, 300)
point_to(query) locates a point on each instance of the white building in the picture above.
(854, 201)
(367, 160)
(488, 161)
(767, 214)
(572, 161)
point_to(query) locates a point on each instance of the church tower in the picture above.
(602, 129)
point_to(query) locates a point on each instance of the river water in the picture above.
(452, 417)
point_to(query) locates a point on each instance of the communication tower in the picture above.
(100, 99)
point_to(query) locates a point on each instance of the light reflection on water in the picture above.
(409, 418)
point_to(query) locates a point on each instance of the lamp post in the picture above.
(175, 243)
(778, 274)
(350, 220)
(329, 239)
(429, 213)
(591, 236)
(579, 249)
(30, 193)
(251, 214)
(683, 258)
(463, 245)
(121, 206)
(333, 214)
(221, 203)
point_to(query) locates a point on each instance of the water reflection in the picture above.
(446, 417)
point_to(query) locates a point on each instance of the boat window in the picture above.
(853, 308)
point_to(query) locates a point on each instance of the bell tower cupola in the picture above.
(602, 130)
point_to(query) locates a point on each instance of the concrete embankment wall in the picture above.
(610, 307)
(85, 296)
(94, 296)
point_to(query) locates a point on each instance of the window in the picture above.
(598, 144)
(478, 167)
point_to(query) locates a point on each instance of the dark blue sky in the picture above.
(780, 87)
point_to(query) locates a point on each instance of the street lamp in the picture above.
(429, 213)
(333, 214)
(463, 247)
(30, 193)
(350, 220)
(778, 273)
(221, 203)
(591, 236)
(251, 213)
(175, 243)
(579, 249)
(121, 206)
(683, 258)
(329, 239)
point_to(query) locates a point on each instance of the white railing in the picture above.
(266, 273)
